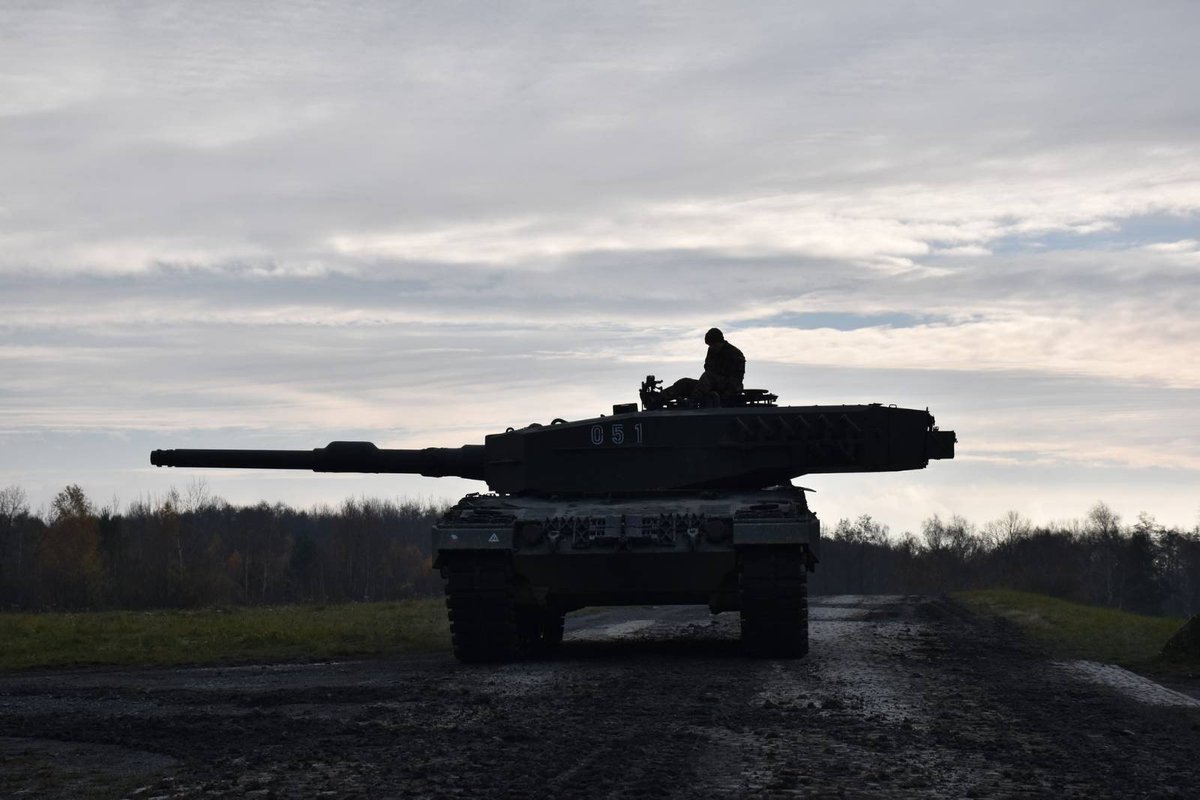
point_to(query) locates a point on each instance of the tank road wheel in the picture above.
(480, 599)
(773, 591)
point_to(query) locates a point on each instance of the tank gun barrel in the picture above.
(463, 462)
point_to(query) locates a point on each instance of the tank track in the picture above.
(486, 622)
(773, 594)
(481, 600)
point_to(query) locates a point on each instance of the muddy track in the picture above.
(899, 697)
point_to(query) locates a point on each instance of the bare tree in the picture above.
(14, 505)
(1009, 528)
(1104, 529)
(197, 496)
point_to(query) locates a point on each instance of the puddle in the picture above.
(845, 613)
(606, 632)
(1128, 683)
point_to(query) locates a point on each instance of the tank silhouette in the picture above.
(670, 504)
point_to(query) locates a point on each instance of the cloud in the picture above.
(524, 137)
(424, 222)
(1120, 349)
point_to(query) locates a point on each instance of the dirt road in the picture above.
(900, 697)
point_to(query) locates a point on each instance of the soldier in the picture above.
(724, 368)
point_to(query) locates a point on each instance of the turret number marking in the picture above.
(615, 434)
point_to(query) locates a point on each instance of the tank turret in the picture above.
(640, 452)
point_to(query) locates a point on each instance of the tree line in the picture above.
(1144, 567)
(189, 549)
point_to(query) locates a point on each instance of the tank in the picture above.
(674, 502)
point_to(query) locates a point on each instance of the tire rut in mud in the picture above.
(898, 697)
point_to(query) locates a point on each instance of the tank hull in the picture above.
(527, 561)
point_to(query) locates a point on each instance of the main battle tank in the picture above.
(674, 503)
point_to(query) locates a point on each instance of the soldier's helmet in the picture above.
(713, 336)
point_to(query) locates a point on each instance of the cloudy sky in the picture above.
(418, 223)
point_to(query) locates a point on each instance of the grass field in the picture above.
(237, 635)
(309, 633)
(1073, 630)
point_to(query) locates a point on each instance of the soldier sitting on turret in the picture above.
(724, 369)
